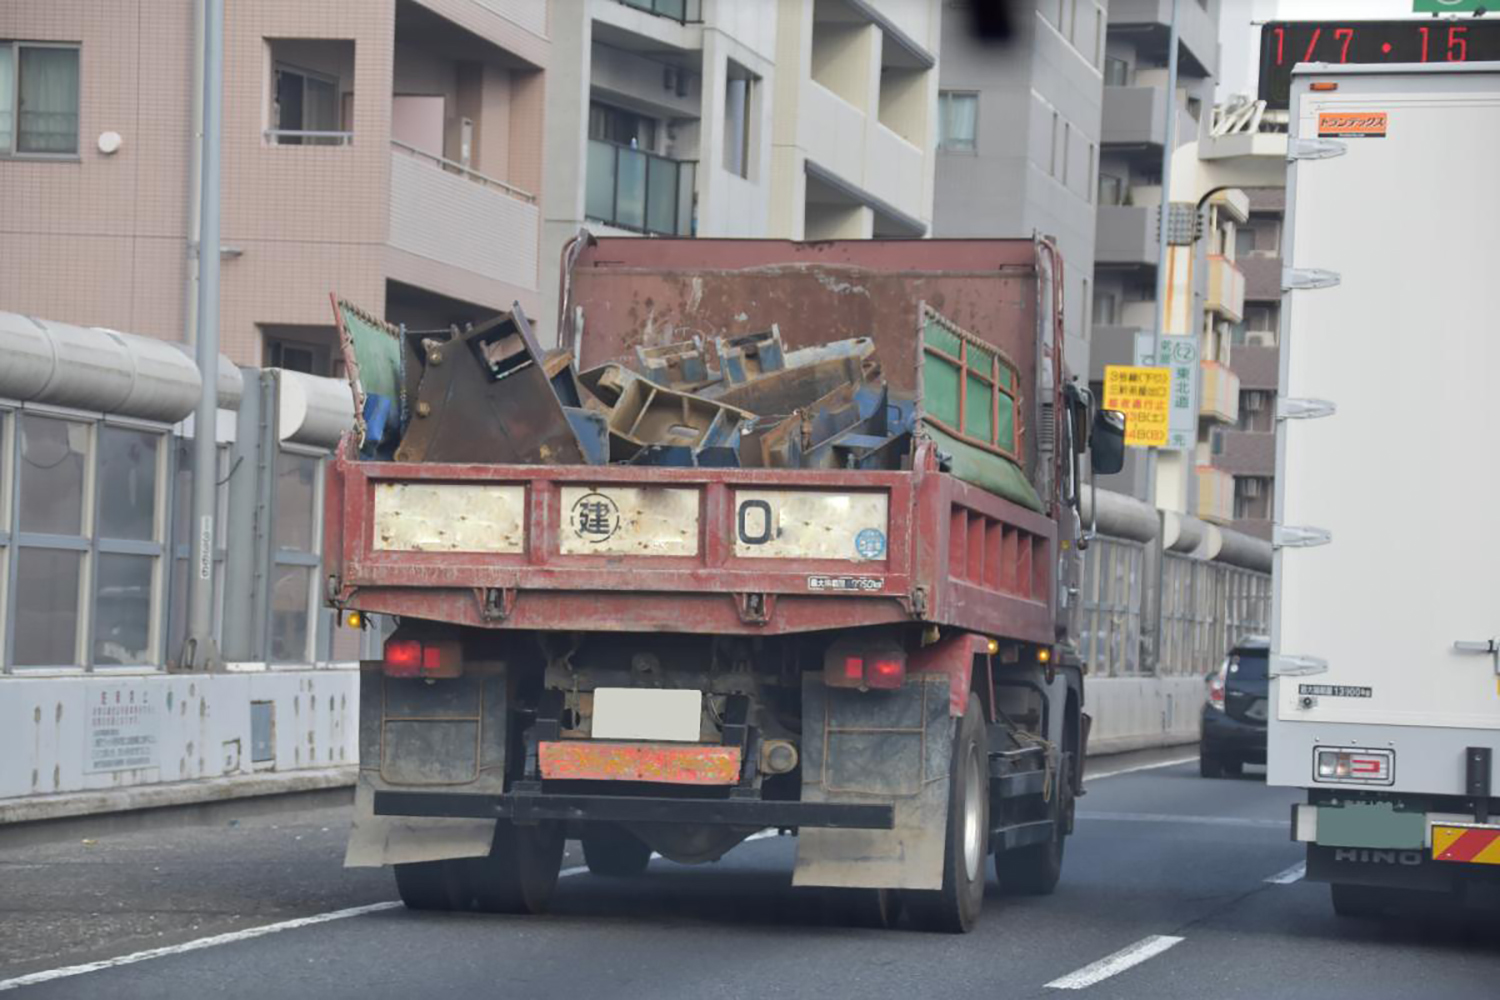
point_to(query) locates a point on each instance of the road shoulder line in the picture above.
(68, 971)
(1113, 965)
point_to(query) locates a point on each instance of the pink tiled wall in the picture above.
(102, 240)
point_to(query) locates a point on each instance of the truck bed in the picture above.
(688, 550)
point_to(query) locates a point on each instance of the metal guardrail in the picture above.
(458, 168)
(304, 137)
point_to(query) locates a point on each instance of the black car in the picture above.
(1234, 717)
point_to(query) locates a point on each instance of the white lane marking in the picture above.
(187, 946)
(1292, 874)
(250, 933)
(1139, 767)
(1117, 963)
(1124, 817)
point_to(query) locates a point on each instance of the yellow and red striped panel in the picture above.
(673, 764)
(1479, 845)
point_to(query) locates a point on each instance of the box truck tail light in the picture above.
(1371, 767)
(879, 666)
(414, 658)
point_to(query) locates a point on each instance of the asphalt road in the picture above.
(1167, 871)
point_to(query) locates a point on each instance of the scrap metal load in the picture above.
(487, 393)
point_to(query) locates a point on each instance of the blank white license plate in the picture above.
(1257, 710)
(647, 714)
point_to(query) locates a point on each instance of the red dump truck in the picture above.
(861, 633)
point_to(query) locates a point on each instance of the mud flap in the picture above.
(396, 840)
(877, 747)
(448, 735)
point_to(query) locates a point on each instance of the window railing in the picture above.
(306, 137)
(454, 167)
(681, 11)
(636, 190)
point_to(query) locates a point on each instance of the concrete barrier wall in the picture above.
(62, 735)
(78, 745)
(1134, 713)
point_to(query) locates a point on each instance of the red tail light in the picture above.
(879, 665)
(415, 658)
(888, 672)
(1216, 690)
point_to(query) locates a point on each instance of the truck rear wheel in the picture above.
(520, 874)
(615, 852)
(955, 907)
(433, 885)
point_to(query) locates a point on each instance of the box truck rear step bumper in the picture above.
(637, 809)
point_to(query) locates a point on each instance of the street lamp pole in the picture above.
(200, 652)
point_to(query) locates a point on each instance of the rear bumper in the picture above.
(1224, 735)
(533, 807)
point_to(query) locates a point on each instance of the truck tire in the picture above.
(1035, 870)
(520, 873)
(955, 907)
(433, 885)
(615, 852)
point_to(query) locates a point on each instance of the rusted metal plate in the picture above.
(485, 396)
(628, 520)
(449, 517)
(808, 524)
(672, 764)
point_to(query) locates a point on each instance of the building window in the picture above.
(740, 87)
(1111, 189)
(301, 349)
(624, 128)
(1067, 149)
(296, 536)
(38, 99)
(311, 92)
(1116, 72)
(1106, 308)
(85, 541)
(958, 121)
(1056, 137)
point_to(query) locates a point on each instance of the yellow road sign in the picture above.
(1144, 395)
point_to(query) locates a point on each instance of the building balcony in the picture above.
(1126, 234)
(1111, 345)
(1226, 289)
(1149, 22)
(639, 192)
(1133, 116)
(1257, 367)
(1262, 277)
(1220, 396)
(1247, 453)
(1255, 527)
(681, 11)
(1215, 495)
(482, 231)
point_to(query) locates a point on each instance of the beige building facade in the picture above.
(386, 150)
(791, 119)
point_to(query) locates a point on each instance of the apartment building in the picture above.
(1018, 140)
(798, 119)
(1135, 111)
(1247, 450)
(389, 150)
(386, 150)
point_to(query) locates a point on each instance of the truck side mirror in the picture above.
(1107, 442)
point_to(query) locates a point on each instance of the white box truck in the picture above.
(1386, 621)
